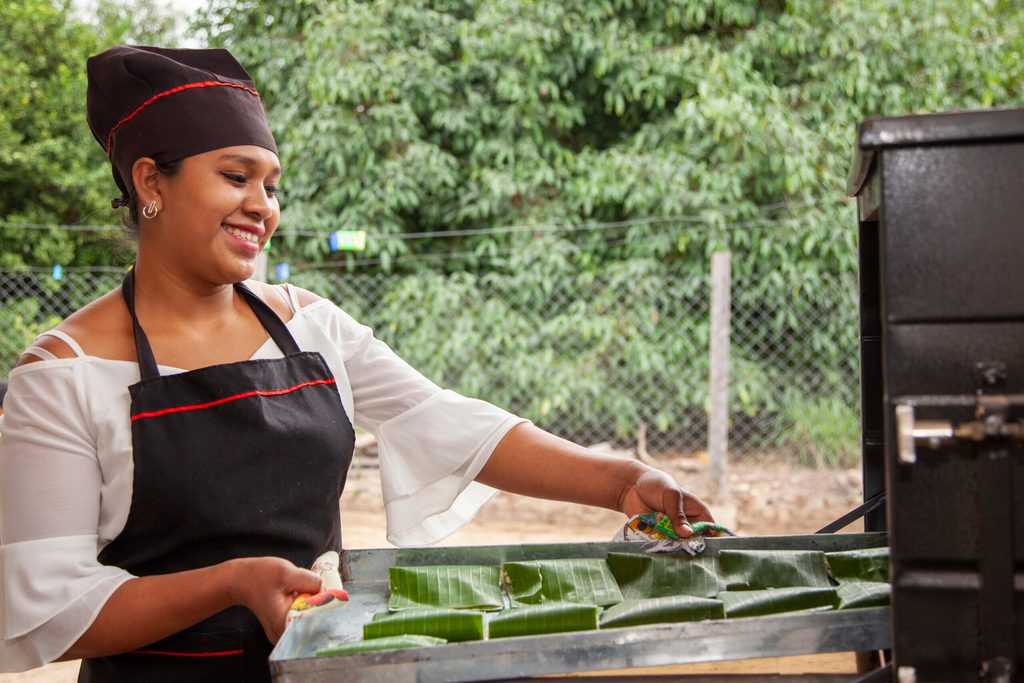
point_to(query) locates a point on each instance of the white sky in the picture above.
(185, 9)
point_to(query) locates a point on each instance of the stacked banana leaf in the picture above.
(434, 605)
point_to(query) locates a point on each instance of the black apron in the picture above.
(245, 459)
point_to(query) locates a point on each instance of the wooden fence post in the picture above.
(718, 420)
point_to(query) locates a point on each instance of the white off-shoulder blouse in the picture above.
(66, 469)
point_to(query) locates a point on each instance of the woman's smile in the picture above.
(246, 236)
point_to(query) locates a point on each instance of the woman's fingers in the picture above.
(301, 581)
(656, 491)
(268, 586)
(695, 509)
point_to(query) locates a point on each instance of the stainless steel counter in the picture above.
(365, 573)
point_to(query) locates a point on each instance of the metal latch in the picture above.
(990, 422)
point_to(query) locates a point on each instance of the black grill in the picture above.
(941, 224)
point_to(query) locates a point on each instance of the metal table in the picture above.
(365, 573)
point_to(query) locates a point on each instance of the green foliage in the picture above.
(823, 430)
(728, 122)
(33, 302)
(21, 322)
(415, 116)
(623, 141)
(52, 172)
(597, 352)
(136, 22)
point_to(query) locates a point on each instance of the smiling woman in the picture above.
(173, 453)
(215, 214)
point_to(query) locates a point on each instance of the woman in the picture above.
(174, 452)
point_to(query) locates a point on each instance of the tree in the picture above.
(52, 172)
(48, 174)
(620, 142)
(420, 116)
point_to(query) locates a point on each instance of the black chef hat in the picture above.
(169, 104)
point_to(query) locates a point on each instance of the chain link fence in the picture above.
(596, 360)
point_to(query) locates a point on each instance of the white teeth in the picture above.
(242, 234)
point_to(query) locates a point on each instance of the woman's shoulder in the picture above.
(312, 310)
(285, 299)
(101, 328)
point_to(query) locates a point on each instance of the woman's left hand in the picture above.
(655, 491)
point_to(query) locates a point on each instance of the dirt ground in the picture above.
(761, 498)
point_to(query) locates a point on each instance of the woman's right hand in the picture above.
(268, 586)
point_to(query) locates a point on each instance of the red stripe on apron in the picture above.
(247, 394)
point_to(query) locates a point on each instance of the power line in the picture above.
(556, 227)
(430, 256)
(436, 256)
(445, 255)
(699, 219)
(70, 269)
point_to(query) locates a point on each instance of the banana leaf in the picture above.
(758, 603)
(856, 594)
(869, 564)
(583, 581)
(646, 576)
(449, 587)
(661, 611)
(390, 643)
(539, 619)
(757, 569)
(451, 624)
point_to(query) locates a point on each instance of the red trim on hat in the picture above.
(165, 93)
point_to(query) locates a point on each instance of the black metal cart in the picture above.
(941, 224)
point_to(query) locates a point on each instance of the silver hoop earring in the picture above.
(150, 210)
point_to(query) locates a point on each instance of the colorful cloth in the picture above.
(656, 530)
(332, 596)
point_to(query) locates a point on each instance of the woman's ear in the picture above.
(145, 178)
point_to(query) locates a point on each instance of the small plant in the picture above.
(824, 431)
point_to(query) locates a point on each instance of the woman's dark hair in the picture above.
(130, 219)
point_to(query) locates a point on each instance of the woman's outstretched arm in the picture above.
(533, 462)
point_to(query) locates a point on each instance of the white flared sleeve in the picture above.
(51, 584)
(432, 443)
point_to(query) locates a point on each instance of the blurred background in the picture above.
(522, 197)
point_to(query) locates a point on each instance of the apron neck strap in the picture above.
(273, 324)
(147, 362)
